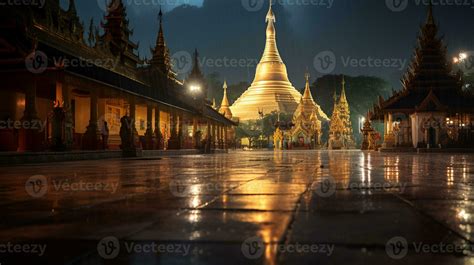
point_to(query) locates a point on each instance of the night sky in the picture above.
(225, 29)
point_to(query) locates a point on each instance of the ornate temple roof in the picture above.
(307, 106)
(161, 54)
(429, 75)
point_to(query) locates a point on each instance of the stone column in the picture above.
(226, 138)
(158, 135)
(69, 120)
(133, 119)
(195, 136)
(31, 137)
(173, 142)
(213, 136)
(91, 138)
(149, 139)
(181, 133)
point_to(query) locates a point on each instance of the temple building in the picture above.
(340, 129)
(63, 92)
(271, 90)
(431, 110)
(307, 122)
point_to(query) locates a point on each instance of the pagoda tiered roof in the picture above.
(430, 78)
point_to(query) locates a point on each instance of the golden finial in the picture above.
(270, 15)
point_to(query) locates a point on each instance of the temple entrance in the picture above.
(432, 137)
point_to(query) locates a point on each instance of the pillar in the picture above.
(173, 142)
(30, 138)
(181, 133)
(226, 138)
(69, 120)
(133, 118)
(158, 135)
(149, 136)
(91, 138)
(196, 137)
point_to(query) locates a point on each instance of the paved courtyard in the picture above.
(299, 207)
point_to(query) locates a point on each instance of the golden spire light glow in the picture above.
(271, 89)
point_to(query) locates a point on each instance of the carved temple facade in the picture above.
(431, 110)
(63, 91)
(340, 128)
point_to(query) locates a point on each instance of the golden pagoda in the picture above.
(271, 90)
(307, 121)
(224, 109)
(340, 129)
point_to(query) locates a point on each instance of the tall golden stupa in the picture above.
(271, 89)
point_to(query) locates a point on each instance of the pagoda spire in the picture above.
(430, 19)
(161, 57)
(224, 109)
(343, 98)
(72, 7)
(307, 91)
(196, 69)
(271, 53)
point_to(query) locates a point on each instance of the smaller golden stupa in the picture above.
(224, 109)
(340, 129)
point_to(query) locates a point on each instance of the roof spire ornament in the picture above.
(270, 16)
(343, 98)
(224, 109)
(307, 90)
(430, 20)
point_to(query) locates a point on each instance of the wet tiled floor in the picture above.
(298, 207)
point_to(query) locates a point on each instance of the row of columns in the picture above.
(32, 140)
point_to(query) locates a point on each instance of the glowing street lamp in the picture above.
(195, 88)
